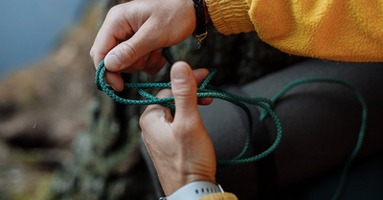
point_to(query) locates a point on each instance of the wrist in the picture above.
(194, 191)
(202, 18)
(170, 184)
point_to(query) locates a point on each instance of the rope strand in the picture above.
(207, 90)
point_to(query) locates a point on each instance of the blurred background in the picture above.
(31, 29)
(44, 71)
(62, 139)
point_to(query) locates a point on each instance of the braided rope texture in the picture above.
(206, 90)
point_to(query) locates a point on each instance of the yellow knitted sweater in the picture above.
(342, 30)
(219, 196)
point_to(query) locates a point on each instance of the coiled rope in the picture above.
(206, 90)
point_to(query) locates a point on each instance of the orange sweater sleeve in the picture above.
(340, 30)
(219, 196)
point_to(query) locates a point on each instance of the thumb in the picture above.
(128, 52)
(184, 89)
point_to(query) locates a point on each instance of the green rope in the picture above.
(206, 90)
(362, 129)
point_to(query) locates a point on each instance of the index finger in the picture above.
(111, 33)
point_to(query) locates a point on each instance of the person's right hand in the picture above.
(180, 148)
(133, 35)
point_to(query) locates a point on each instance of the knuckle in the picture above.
(127, 50)
(151, 113)
(184, 92)
(143, 119)
(114, 11)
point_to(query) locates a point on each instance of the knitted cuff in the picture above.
(230, 16)
(220, 196)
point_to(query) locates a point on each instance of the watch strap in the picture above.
(200, 31)
(194, 191)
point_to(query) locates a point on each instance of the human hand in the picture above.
(133, 35)
(179, 147)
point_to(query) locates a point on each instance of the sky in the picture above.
(29, 29)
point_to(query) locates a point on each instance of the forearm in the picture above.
(336, 30)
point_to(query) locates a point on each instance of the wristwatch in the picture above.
(194, 191)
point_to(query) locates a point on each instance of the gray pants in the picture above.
(320, 124)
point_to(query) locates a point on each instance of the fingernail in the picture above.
(112, 62)
(180, 73)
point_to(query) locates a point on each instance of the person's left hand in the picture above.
(179, 147)
(134, 33)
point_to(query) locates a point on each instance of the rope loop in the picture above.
(206, 90)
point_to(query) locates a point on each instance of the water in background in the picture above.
(30, 28)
